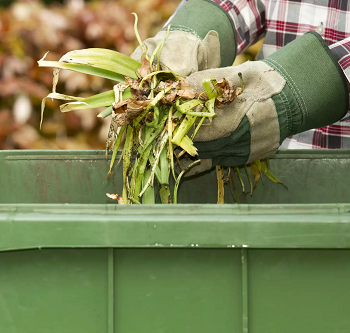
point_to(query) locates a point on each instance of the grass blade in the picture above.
(143, 48)
(177, 183)
(148, 196)
(250, 181)
(100, 62)
(270, 175)
(256, 173)
(165, 195)
(55, 95)
(156, 160)
(183, 129)
(105, 113)
(170, 137)
(232, 183)
(187, 144)
(103, 99)
(240, 179)
(127, 156)
(115, 149)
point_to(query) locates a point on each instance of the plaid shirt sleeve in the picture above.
(248, 18)
(341, 51)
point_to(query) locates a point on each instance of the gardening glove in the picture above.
(297, 88)
(202, 36)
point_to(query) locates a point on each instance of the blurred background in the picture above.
(30, 28)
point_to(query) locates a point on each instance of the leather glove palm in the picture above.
(183, 52)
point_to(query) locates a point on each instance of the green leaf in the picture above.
(100, 62)
(256, 173)
(270, 175)
(187, 144)
(115, 149)
(105, 113)
(103, 99)
(209, 88)
(55, 95)
(249, 179)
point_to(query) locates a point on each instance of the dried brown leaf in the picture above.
(145, 69)
(116, 197)
(169, 97)
(120, 107)
(135, 107)
(186, 91)
(227, 90)
(121, 119)
(167, 84)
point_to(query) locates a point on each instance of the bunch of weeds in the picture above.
(152, 110)
(160, 112)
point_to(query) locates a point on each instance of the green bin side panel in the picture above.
(178, 291)
(53, 291)
(107, 291)
(312, 176)
(175, 290)
(303, 291)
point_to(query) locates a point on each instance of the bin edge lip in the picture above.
(40, 226)
(98, 154)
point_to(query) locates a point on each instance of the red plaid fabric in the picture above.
(280, 22)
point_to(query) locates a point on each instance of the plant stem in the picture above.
(170, 145)
(164, 193)
(220, 180)
(187, 144)
(156, 158)
(250, 181)
(157, 172)
(232, 184)
(151, 105)
(127, 159)
(183, 129)
(164, 167)
(155, 120)
(144, 51)
(179, 178)
(148, 196)
(141, 170)
(115, 150)
(240, 179)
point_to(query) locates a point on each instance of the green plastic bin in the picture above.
(72, 261)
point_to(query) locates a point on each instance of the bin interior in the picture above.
(312, 176)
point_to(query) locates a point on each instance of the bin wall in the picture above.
(312, 176)
(175, 290)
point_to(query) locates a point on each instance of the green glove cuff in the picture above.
(198, 17)
(316, 93)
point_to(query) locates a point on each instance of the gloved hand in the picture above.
(183, 52)
(202, 36)
(299, 87)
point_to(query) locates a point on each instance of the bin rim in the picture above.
(39, 226)
(100, 154)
